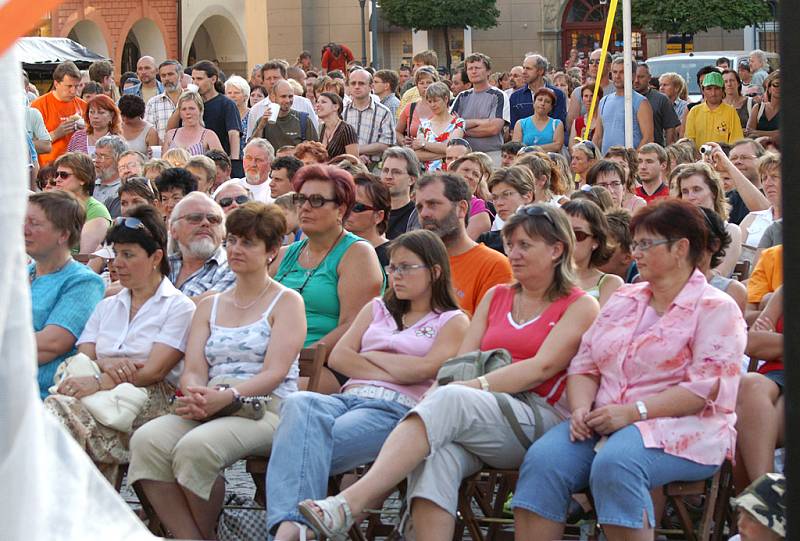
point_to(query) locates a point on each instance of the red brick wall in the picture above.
(115, 18)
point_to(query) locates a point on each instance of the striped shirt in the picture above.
(157, 112)
(214, 275)
(375, 124)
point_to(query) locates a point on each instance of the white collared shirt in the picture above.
(165, 319)
(299, 104)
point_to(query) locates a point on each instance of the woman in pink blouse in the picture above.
(652, 390)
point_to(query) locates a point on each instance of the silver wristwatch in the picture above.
(642, 410)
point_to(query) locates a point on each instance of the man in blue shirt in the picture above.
(534, 67)
(149, 86)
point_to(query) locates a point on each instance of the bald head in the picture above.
(283, 96)
(146, 70)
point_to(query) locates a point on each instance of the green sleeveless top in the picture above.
(317, 286)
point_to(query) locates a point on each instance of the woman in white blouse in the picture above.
(137, 336)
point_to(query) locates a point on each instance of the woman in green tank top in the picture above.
(334, 271)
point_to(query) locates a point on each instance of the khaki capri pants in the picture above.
(194, 454)
(466, 429)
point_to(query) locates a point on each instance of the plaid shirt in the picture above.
(157, 112)
(214, 275)
(375, 124)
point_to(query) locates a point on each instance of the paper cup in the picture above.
(156, 151)
(274, 109)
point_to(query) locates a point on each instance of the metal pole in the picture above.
(376, 58)
(363, 3)
(628, 55)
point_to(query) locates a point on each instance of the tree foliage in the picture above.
(692, 16)
(440, 14)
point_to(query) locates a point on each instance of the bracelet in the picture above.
(236, 394)
(484, 383)
(99, 382)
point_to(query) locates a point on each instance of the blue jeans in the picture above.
(319, 436)
(620, 475)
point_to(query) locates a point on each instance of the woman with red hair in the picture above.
(335, 271)
(101, 118)
(311, 153)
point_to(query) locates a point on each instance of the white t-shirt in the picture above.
(165, 319)
(299, 104)
(261, 192)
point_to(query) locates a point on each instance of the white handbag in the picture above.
(116, 408)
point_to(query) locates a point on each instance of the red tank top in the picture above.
(523, 341)
(776, 364)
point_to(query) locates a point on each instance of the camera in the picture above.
(706, 149)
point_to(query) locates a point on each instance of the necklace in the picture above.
(250, 305)
(516, 311)
(329, 134)
(307, 251)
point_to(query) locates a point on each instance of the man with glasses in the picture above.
(744, 155)
(131, 164)
(198, 263)
(442, 202)
(399, 173)
(372, 121)
(108, 151)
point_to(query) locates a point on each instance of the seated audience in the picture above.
(652, 390)
(549, 185)
(282, 174)
(335, 271)
(764, 280)
(242, 343)
(701, 186)
(204, 170)
(718, 241)
(456, 148)
(63, 291)
(370, 215)
(75, 174)
(459, 427)
(584, 154)
(136, 336)
(540, 129)
(391, 354)
(293, 231)
(311, 153)
(134, 192)
(508, 153)
(621, 262)
(511, 188)
(755, 223)
(101, 118)
(231, 195)
(610, 175)
(176, 157)
(130, 164)
(475, 170)
(152, 168)
(173, 185)
(762, 510)
(596, 194)
(592, 249)
(760, 405)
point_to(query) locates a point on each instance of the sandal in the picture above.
(302, 531)
(336, 519)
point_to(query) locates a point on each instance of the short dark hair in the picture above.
(66, 68)
(151, 237)
(379, 194)
(258, 221)
(176, 177)
(723, 60)
(274, 65)
(139, 186)
(211, 70)
(82, 167)
(390, 77)
(63, 210)
(479, 57)
(675, 219)
(718, 238)
(512, 147)
(605, 166)
(619, 228)
(131, 106)
(336, 99)
(593, 214)
(99, 70)
(220, 159)
(456, 188)
(91, 88)
(290, 163)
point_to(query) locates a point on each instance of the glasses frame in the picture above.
(401, 270)
(212, 219)
(358, 208)
(534, 210)
(299, 199)
(581, 236)
(650, 243)
(226, 202)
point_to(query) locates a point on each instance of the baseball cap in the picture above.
(764, 500)
(713, 79)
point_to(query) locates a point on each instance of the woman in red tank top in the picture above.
(454, 430)
(759, 405)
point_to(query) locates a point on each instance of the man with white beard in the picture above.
(197, 260)
(257, 161)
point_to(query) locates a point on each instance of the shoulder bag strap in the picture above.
(508, 413)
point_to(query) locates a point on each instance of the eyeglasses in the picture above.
(645, 244)
(581, 236)
(226, 202)
(535, 210)
(504, 195)
(64, 175)
(358, 208)
(315, 200)
(196, 218)
(400, 271)
(609, 185)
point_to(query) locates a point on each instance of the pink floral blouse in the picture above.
(697, 343)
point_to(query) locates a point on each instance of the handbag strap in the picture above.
(508, 413)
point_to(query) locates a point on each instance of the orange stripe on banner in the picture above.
(19, 16)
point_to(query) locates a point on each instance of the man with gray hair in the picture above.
(533, 69)
(400, 172)
(197, 260)
(108, 151)
(159, 108)
(759, 67)
(258, 156)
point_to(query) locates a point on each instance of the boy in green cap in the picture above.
(713, 120)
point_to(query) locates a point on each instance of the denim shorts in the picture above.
(620, 476)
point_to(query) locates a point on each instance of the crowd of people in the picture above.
(191, 233)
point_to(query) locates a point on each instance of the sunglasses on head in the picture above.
(226, 202)
(130, 223)
(536, 210)
(361, 207)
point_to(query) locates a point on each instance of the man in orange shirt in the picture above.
(63, 111)
(443, 205)
(764, 280)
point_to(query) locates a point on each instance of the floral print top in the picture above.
(425, 128)
(696, 344)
